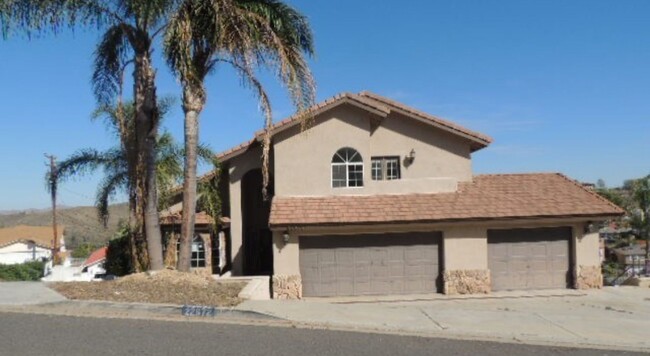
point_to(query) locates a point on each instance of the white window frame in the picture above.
(194, 262)
(383, 169)
(347, 171)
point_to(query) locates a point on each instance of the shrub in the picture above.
(84, 250)
(118, 260)
(28, 271)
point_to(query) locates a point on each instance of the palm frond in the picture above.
(35, 17)
(109, 186)
(207, 155)
(209, 199)
(110, 58)
(89, 160)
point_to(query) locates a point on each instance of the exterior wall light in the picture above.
(410, 157)
(285, 237)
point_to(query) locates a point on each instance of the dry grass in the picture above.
(167, 287)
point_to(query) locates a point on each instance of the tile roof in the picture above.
(433, 119)
(202, 218)
(41, 235)
(95, 257)
(369, 101)
(506, 196)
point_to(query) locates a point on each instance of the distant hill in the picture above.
(81, 223)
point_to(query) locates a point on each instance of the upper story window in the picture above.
(385, 168)
(347, 168)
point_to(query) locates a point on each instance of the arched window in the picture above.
(347, 168)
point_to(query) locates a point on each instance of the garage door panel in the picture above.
(529, 258)
(369, 264)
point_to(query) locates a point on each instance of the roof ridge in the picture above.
(515, 174)
(445, 122)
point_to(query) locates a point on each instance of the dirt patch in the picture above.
(167, 287)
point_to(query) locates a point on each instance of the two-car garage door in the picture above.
(521, 259)
(371, 264)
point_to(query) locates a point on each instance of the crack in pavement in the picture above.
(560, 326)
(442, 327)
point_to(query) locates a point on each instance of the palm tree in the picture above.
(245, 34)
(117, 167)
(131, 27)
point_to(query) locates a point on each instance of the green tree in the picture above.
(117, 167)
(131, 27)
(245, 34)
(641, 213)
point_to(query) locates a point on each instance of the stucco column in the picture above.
(287, 283)
(236, 228)
(465, 253)
(587, 273)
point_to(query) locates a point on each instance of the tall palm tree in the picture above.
(245, 34)
(131, 27)
(117, 166)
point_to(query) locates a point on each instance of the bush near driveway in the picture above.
(28, 271)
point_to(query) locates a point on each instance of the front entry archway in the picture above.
(257, 239)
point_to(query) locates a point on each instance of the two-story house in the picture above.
(376, 197)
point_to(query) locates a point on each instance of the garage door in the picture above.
(369, 264)
(529, 258)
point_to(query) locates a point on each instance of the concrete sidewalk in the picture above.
(612, 318)
(617, 318)
(27, 293)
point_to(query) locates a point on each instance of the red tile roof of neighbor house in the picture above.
(368, 101)
(41, 235)
(95, 257)
(502, 196)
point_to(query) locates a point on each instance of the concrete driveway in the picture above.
(616, 318)
(27, 293)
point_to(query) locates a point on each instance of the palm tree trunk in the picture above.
(146, 124)
(192, 106)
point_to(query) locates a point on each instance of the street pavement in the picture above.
(612, 318)
(31, 334)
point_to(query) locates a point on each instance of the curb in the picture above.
(100, 308)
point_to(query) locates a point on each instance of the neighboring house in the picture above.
(632, 257)
(375, 197)
(84, 272)
(19, 244)
(94, 264)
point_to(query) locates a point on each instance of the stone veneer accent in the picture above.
(588, 277)
(287, 287)
(466, 282)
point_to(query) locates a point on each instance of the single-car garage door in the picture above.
(521, 259)
(346, 265)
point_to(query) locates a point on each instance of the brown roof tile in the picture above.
(503, 196)
(201, 218)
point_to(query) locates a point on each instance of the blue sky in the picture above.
(561, 86)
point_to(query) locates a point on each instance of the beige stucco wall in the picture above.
(465, 248)
(286, 259)
(239, 166)
(302, 164)
(587, 246)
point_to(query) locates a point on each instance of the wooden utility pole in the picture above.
(52, 186)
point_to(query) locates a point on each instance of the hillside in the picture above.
(81, 223)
